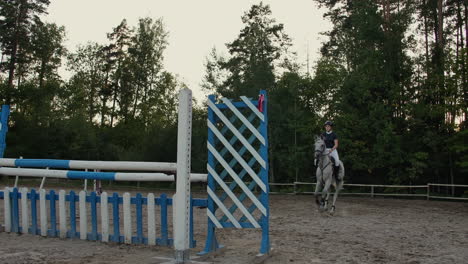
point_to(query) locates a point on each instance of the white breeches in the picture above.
(334, 154)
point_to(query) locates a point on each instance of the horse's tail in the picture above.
(341, 173)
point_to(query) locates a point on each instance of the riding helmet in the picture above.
(328, 123)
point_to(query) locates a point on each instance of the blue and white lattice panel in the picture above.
(237, 167)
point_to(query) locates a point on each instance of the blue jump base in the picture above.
(92, 200)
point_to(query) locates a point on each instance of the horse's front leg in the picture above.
(327, 197)
(317, 193)
(318, 187)
(326, 190)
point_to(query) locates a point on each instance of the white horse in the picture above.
(325, 177)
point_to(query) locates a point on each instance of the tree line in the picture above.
(392, 75)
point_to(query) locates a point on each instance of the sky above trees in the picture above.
(195, 27)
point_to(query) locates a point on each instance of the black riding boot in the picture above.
(336, 169)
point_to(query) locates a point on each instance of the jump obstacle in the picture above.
(237, 153)
(241, 159)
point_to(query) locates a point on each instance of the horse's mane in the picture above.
(318, 138)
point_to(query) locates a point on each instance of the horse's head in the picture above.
(319, 147)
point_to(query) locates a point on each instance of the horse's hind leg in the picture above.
(335, 196)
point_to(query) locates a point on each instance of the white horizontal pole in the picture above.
(119, 176)
(33, 172)
(448, 198)
(447, 185)
(364, 185)
(123, 165)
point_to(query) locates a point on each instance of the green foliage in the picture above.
(460, 149)
(47, 50)
(17, 20)
(418, 163)
(291, 124)
(258, 51)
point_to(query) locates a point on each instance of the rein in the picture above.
(321, 154)
(322, 168)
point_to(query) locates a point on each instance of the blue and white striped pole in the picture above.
(88, 164)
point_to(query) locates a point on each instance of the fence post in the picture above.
(151, 220)
(62, 214)
(43, 212)
(7, 208)
(24, 211)
(85, 183)
(428, 191)
(372, 191)
(164, 233)
(83, 216)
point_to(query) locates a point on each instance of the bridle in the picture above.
(320, 153)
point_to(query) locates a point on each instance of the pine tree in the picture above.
(17, 17)
(258, 52)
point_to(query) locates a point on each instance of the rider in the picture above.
(331, 142)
